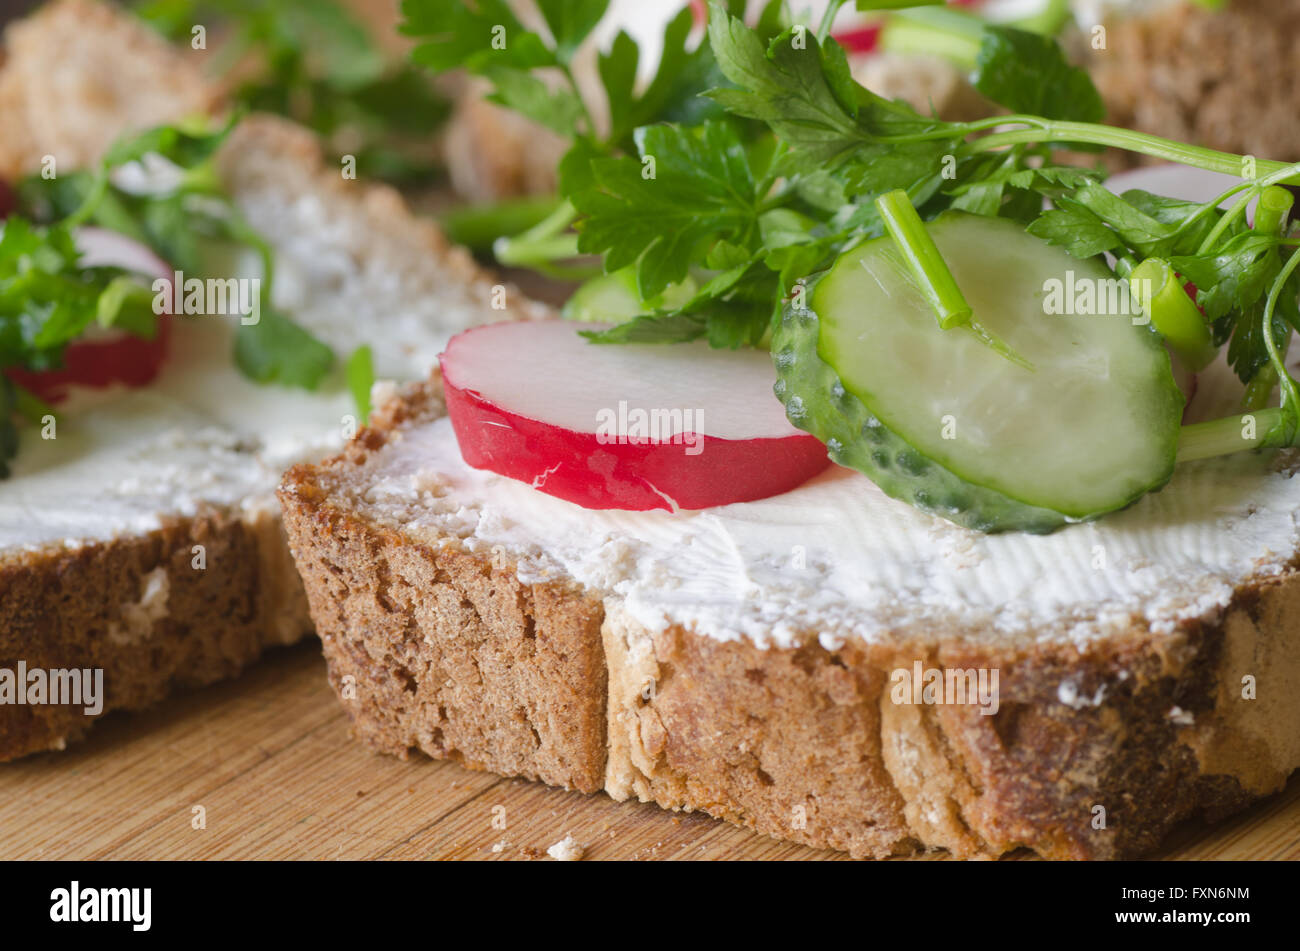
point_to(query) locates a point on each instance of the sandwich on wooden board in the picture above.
(1037, 587)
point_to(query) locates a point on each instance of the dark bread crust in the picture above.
(800, 743)
(72, 610)
(806, 744)
(446, 652)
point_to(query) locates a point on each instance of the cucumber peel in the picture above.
(863, 366)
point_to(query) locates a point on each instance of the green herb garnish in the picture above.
(749, 215)
(48, 298)
(315, 63)
(361, 377)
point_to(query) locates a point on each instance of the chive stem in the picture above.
(1271, 217)
(1225, 221)
(1222, 437)
(477, 226)
(1273, 210)
(828, 20)
(544, 244)
(1290, 394)
(552, 224)
(945, 32)
(1172, 312)
(1260, 389)
(515, 253)
(928, 267)
(1051, 130)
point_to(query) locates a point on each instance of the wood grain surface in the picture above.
(270, 762)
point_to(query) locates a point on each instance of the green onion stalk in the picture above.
(932, 275)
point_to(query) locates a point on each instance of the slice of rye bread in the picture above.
(1219, 78)
(355, 266)
(437, 648)
(441, 650)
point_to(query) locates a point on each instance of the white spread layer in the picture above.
(839, 557)
(352, 286)
(124, 459)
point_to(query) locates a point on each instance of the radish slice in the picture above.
(108, 357)
(633, 427)
(100, 247)
(859, 39)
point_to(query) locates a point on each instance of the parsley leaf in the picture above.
(276, 350)
(804, 92)
(1076, 229)
(690, 188)
(67, 298)
(1247, 352)
(570, 21)
(786, 86)
(1235, 277)
(475, 37)
(46, 299)
(360, 372)
(1028, 73)
(1191, 221)
(558, 109)
(672, 95)
(186, 145)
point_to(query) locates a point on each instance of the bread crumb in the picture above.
(500, 846)
(566, 850)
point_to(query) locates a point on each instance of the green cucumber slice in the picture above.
(942, 421)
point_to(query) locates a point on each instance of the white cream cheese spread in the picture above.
(838, 556)
(123, 460)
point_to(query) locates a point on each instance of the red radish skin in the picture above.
(118, 358)
(125, 359)
(859, 40)
(547, 359)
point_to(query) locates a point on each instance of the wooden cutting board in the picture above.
(267, 764)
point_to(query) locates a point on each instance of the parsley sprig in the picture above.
(49, 298)
(183, 223)
(313, 61)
